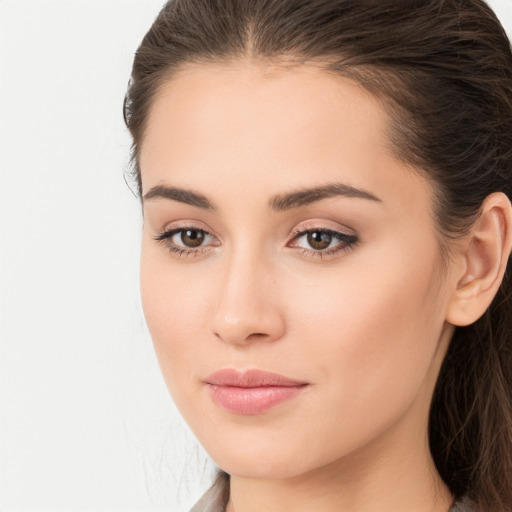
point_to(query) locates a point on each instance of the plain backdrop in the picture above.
(86, 423)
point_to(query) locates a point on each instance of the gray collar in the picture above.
(216, 498)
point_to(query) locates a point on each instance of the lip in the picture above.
(251, 391)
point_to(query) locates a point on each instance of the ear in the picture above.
(483, 260)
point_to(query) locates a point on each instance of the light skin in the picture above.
(362, 309)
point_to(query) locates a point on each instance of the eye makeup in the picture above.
(186, 241)
(321, 242)
(312, 241)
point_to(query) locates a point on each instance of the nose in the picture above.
(247, 308)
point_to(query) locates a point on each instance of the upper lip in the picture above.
(250, 379)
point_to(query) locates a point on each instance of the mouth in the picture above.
(252, 391)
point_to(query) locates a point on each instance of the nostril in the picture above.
(240, 338)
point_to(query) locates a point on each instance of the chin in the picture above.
(264, 458)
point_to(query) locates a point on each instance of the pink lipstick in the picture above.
(251, 391)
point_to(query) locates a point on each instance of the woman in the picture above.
(325, 188)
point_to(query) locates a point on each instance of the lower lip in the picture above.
(251, 400)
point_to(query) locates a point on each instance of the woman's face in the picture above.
(281, 234)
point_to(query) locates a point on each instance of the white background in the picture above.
(85, 419)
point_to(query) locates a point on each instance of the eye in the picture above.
(321, 242)
(185, 241)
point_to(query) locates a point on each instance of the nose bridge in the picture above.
(246, 308)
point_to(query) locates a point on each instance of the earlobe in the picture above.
(484, 261)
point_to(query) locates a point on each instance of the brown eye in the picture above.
(192, 237)
(319, 240)
(187, 241)
(322, 242)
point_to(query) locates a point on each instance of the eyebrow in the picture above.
(280, 202)
(181, 195)
(312, 195)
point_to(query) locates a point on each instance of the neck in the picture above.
(400, 482)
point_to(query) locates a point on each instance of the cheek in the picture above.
(371, 328)
(173, 301)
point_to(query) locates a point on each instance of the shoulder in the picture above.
(216, 497)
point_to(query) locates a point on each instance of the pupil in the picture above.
(319, 240)
(192, 237)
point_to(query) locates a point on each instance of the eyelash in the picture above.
(347, 241)
(166, 236)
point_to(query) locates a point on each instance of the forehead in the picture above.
(270, 126)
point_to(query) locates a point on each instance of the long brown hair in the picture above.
(443, 70)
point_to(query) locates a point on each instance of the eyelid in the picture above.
(320, 225)
(185, 223)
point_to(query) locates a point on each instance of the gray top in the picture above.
(216, 498)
